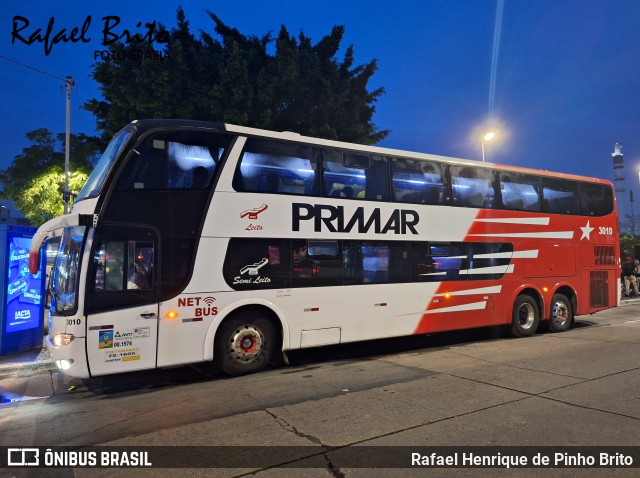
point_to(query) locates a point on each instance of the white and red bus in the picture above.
(195, 242)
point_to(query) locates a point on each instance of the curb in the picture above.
(26, 363)
(631, 301)
(26, 370)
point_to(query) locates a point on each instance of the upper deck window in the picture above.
(277, 167)
(560, 196)
(472, 186)
(520, 192)
(174, 160)
(418, 182)
(595, 199)
(355, 175)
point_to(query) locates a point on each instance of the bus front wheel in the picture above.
(244, 345)
(561, 313)
(526, 316)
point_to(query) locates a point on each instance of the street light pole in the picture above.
(67, 84)
(488, 136)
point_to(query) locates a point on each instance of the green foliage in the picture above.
(628, 245)
(42, 198)
(233, 78)
(24, 181)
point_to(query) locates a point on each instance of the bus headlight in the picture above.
(62, 339)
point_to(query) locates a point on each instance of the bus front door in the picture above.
(122, 312)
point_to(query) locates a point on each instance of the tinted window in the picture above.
(316, 263)
(418, 182)
(560, 196)
(176, 160)
(488, 260)
(344, 175)
(520, 192)
(124, 265)
(124, 268)
(258, 264)
(94, 183)
(374, 262)
(472, 187)
(435, 262)
(277, 167)
(595, 199)
(355, 176)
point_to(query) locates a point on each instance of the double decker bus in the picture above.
(195, 241)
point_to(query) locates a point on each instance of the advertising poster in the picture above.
(24, 291)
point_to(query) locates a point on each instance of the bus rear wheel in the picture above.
(526, 316)
(244, 345)
(561, 313)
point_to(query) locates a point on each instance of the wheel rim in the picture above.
(560, 313)
(526, 316)
(246, 343)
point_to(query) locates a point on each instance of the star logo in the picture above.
(586, 232)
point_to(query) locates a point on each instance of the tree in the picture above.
(40, 166)
(628, 245)
(42, 198)
(302, 87)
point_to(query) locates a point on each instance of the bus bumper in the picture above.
(70, 359)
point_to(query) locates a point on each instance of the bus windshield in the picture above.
(94, 183)
(66, 270)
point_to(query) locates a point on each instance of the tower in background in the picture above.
(625, 200)
(618, 169)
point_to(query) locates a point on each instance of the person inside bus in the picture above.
(199, 178)
(628, 274)
(269, 183)
(137, 279)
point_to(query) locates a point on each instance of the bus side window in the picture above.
(377, 179)
(520, 192)
(560, 196)
(343, 174)
(258, 263)
(438, 261)
(488, 260)
(473, 187)
(595, 199)
(179, 160)
(375, 262)
(316, 263)
(417, 182)
(280, 167)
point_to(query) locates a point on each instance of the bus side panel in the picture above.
(362, 312)
(185, 320)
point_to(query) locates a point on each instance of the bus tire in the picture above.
(244, 344)
(561, 313)
(526, 316)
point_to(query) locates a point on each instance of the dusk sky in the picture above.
(561, 78)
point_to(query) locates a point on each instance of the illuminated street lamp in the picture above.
(487, 137)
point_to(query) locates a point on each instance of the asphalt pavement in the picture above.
(37, 360)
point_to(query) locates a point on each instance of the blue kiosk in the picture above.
(21, 294)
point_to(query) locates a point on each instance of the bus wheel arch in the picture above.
(525, 316)
(246, 340)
